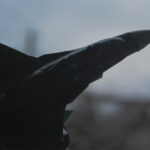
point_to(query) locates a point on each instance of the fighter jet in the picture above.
(35, 91)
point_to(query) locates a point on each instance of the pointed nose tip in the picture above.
(142, 38)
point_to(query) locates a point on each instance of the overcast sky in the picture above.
(65, 24)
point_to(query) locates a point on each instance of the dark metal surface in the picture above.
(38, 89)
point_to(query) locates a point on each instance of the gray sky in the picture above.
(65, 24)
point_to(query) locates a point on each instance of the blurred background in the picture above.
(113, 112)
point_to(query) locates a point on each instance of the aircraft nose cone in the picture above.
(142, 38)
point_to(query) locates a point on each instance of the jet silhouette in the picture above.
(35, 90)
